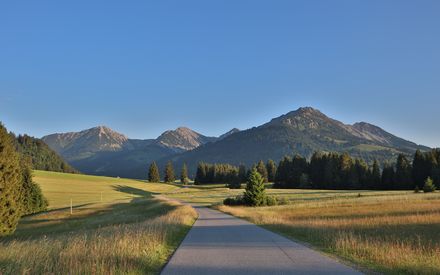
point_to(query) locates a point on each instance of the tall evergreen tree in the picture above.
(184, 175)
(419, 171)
(375, 180)
(169, 173)
(242, 173)
(10, 184)
(261, 168)
(271, 170)
(403, 173)
(153, 173)
(33, 199)
(255, 194)
(388, 177)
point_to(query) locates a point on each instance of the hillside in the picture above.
(182, 139)
(103, 151)
(300, 132)
(41, 155)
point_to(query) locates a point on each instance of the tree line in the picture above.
(19, 195)
(41, 156)
(327, 171)
(340, 171)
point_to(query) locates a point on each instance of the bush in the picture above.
(234, 201)
(429, 186)
(234, 185)
(417, 189)
(270, 201)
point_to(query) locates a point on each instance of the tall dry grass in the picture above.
(135, 248)
(395, 234)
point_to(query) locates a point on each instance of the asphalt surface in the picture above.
(222, 244)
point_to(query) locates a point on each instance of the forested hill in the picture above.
(41, 155)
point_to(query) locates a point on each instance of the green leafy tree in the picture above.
(169, 173)
(255, 194)
(184, 175)
(261, 168)
(271, 170)
(10, 184)
(153, 173)
(429, 186)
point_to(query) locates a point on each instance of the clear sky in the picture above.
(142, 67)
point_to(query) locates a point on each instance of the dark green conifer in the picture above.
(153, 173)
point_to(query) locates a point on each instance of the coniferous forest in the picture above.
(332, 171)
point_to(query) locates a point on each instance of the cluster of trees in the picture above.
(220, 173)
(331, 171)
(340, 171)
(154, 175)
(41, 156)
(19, 195)
(233, 175)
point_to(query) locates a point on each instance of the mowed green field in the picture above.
(60, 188)
(128, 232)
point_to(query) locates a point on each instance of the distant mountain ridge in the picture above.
(303, 132)
(102, 151)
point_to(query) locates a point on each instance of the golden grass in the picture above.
(392, 234)
(128, 232)
(140, 243)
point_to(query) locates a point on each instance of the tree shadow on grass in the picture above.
(132, 191)
(57, 222)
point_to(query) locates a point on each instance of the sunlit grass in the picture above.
(128, 232)
(60, 188)
(397, 233)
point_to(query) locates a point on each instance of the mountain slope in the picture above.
(182, 139)
(81, 145)
(41, 155)
(102, 151)
(300, 132)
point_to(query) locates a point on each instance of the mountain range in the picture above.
(103, 151)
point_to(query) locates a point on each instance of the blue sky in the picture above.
(142, 67)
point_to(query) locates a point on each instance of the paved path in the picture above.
(222, 244)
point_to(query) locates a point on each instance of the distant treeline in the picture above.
(331, 171)
(41, 156)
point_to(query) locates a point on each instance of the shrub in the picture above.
(417, 189)
(234, 201)
(429, 186)
(270, 201)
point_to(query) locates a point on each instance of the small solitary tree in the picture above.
(153, 173)
(255, 194)
(169, 173)
(429, 186)
(184, 175)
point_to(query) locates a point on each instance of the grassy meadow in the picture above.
(129, 231)
(389, 233)
(393, 232)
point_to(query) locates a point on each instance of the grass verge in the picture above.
(394, 234)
